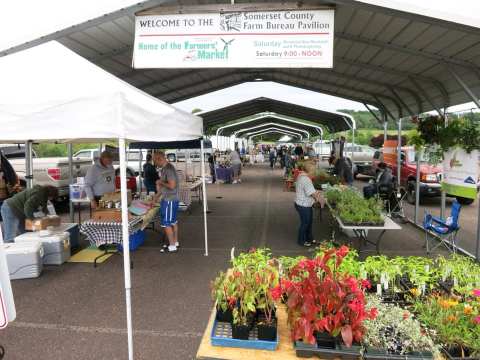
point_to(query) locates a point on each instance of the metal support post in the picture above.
(399, 151)
(385, 133)
(28, 164)
(70, 178)
(204, 195)
(418, 155)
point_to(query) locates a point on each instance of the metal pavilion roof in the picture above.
(270, 110)
(400, 62)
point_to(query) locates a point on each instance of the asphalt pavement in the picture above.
(75, 311)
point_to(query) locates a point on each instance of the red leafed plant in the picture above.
(320, 299)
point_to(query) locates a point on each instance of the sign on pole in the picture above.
(460, 173)
(237, 39)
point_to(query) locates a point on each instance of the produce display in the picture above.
(353, 209)
(338, 305)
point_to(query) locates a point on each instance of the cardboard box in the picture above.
(114, 215)
(116, 197)
(42, 223)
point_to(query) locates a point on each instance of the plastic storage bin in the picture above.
(73, 230)
(24, 260)
(56, 245)
(136, 239)
(77, 192)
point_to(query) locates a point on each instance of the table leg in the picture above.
(377, 246)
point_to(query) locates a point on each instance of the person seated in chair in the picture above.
(383, 180)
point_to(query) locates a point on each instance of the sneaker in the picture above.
(234, 181)
(314, 241)
(177, 244)
(169, 250)
(239, 180)
(307, 244)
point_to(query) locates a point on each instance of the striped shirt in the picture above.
(303, 191)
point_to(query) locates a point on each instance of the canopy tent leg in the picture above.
(28, 164)
(70, 178)
(399, 151)
(140, 159)
(204, 195)
(126, 245)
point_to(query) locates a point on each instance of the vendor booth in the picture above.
(84, 104)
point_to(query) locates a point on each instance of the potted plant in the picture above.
(394, 331)
(324, 304)
(244, 310)
(456, 323)
(266, 280)
(223, 297)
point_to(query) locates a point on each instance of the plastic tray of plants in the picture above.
(341, 307)
(245, 304)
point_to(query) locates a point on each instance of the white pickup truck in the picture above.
(46, 171)
(51, 171)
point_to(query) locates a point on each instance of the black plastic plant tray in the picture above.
(450, 357)
(304, 350)
(222, 336)
(383, 355)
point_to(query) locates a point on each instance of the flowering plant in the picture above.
(395, 330)
(456, 323)
(321, 299)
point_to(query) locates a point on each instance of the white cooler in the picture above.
(56, 245)
(24, 260)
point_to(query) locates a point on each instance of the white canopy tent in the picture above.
(60, 97)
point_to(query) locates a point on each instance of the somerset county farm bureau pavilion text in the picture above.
(298, 18)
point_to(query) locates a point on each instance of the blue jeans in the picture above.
(305, 230)
(150, 187)
(12, 225)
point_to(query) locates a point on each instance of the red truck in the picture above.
(430, 176)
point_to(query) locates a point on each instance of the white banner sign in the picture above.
(460, 171)
(260, 39)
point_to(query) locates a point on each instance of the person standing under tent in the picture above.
(211, 164)
(167, 193)
(236, 165)
(23, 206)
(305, 197)
(272, 157)
(289, 162)
(100, 178)
(299, 151)
(150, 175)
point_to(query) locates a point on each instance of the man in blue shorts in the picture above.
(167, 191)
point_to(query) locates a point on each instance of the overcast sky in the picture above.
(21, 21)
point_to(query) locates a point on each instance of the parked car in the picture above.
(322, 149)
(133, 159)
(51, 171)
(430, 175)
(180, 154)
(362, 158)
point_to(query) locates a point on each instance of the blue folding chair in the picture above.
(445, 229)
